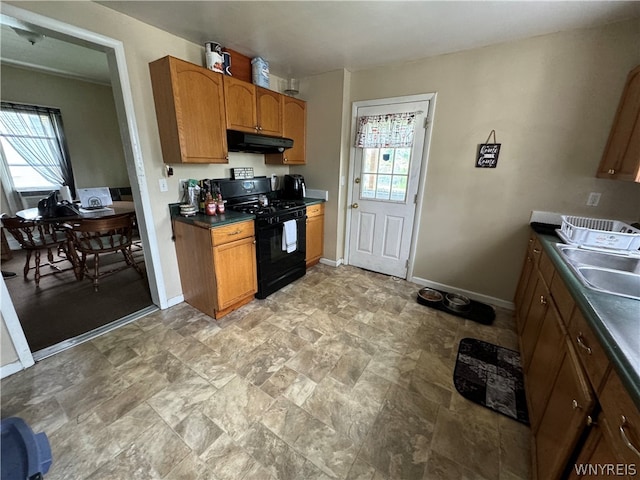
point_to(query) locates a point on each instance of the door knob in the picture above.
(357, 180)
(355, 205)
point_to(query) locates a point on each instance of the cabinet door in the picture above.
(315, 239)
(544, 364)
(270, 111)
(190, 111)
(295, 127)
(529, 284)
(533, 322)
(624, 418)
(240, 98)
(621, 158)
(598, 455)
(564, 418)
(235, 271)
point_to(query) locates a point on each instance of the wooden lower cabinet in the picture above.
(533, 321)
(315, 233)
(624, 420)
(565, 418)
(583, 422)
(544, 365)
(217, 266)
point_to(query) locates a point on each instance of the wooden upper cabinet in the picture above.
(270, 106)
(253, 109)
(240, 98)
(190, 110)
(621, 158)
(295, 127)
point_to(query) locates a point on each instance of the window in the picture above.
(386, 141)
(34, 148)
(385, 172)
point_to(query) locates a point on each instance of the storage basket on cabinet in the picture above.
(596, 232)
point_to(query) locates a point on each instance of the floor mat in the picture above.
(491, 376)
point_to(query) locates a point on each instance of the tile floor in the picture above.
(339, 375)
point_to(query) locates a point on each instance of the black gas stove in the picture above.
(278, 264)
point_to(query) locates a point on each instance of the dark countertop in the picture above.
(229, 216)
(206, 221)
(615, 321)
(312, 201)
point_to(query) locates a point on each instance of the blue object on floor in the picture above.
(24, 455)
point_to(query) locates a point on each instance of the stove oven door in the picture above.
(276, 267)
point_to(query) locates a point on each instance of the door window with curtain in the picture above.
(34, 151)
(386, 141)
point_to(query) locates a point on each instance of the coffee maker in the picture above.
(294, 187)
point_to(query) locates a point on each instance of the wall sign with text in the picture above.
(487, 156)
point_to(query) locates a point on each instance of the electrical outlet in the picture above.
(163, 185)
(594, 199)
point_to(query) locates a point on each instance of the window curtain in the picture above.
(394, 130)
(37, 134)
(14, 200)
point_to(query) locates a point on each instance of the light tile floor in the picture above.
(339, 375)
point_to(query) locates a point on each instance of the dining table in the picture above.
(117, 208)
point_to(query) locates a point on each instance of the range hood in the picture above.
(254, 143)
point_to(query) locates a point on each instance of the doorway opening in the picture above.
(66, 310)
(386, 182)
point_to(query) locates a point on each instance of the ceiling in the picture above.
(301, 38)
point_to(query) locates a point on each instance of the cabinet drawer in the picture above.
(562, 298)
(623, 417)
(315, 210)
(591, 354)
(232, 232)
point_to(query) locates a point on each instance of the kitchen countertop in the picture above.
(615, 321)
(312, 201)
(207, 221)
(229, 216)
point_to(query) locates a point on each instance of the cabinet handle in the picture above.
(543, 301)
(590, 421)
(580, 342)
(625, 439)
(536, 250)
(575, 405)
(237, 232)
(611, 171)
(285, 159)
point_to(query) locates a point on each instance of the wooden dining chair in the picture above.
(36, 236)
(101, 236)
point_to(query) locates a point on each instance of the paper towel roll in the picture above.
(65, 194)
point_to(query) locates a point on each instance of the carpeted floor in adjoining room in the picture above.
(62, 307)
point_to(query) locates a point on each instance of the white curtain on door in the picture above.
(393, 130)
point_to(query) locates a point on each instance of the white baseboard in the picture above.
(332, 263)
(172, 302)
(11, 368)
(472, 295)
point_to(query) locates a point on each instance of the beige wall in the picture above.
(8, 352)
(551, 101)
(89, 117)
(326, 98)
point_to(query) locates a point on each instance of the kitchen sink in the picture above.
(606, 272)
(612, 281)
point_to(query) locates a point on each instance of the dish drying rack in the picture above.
(596, 233)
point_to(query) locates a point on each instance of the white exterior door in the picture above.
(384, 191)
